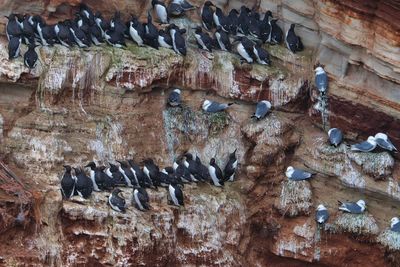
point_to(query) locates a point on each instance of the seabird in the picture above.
(116, 202)
(207, 15)
(322, 215)
(265, 27)
(115, 38)
(63, 33)
(164, 39)
(117, 24)
(212, 106)
(136, 31)
(395, 224)
(184, 4)
(178, 42)
(243, 20)
(202, 170)
(297, 174)
(276, 31)
(13, 27)
(182, 171)
(220, 20)
(130, 178)
(141, 199)
(31, 57)
(86, 13)
(335, 136)
(365, 146)
(262, 108)
(92, 174)
(79, 35)
(384, 142)
(293, 42)
(204, 41)
(175, 9)
(192, 166)
(230, 167)
(161, 11)
(14, 47)
(321, 80)
(174, 98)
(152, 171)
(222, 39)
(115, 174)
(245, 48)
(261, 55)
(47, 33)
(216, 174)
(83, 185)
(351, 207)
(151, 33)
(96, 34)
(176, 194)
(233, 21)
(102, 23)
(28, 31)
(67, 183)
(143, 180)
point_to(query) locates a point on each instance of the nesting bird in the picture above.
(222, 39)
(207, 15)
(395, 224)
(245, 48)
(321, 215)
(366, 146)
(384, 142)
(83, 185)
(293, 42)
(335, 136)
(176, 194)
(351, 207)
(174, 98)
(297, 174)
(262, 109)
(212, 106)
(321, 80)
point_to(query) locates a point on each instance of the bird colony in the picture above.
(245, 30)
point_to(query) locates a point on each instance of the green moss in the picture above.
(217, 122)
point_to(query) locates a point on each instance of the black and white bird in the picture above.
(136, 31)
(152, 171)
(395, 224)
(293, 42)
(115, 38)
(115, 174)
(192, 166)
(384, 142)
(335, 136)
(83, 185)
(63, 33)
(28, 30)
(262, 109)
(213, 106)
(216, 174)
(99, 179)
(207, 15)
(265, 27)
(102, 23)
(182, 171)
(243, 20)
(220, 20)
(117, 24)
(164, 39)
(47, 33)
(261, 55)
(276, 32)
(176, 194)
(231, 167)
(204, 41)
(161, 11)
(178, 42)
(30, 56)
(86, 12)
(202, 170)
(13, 27)
(141, 199)
(130, 178)
(321, 215)
(222, 39)
(353, 207)
(67, 183)
(141, 177)
(151, 33)
(184, 4)
(92, 176)
(117, 202)
(321, 80)
(297, 174)
(14, 47)
(80, 37)
(174, 98)
(96, 34)
(233, 21)
(245, 48)
(175, 8)
(366, 146)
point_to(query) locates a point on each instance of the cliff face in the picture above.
(106, 104)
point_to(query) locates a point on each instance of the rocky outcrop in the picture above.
(106, 104)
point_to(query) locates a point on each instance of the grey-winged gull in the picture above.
(335, 136)
(384, 142)
(321, 80)
(365, 146)
(297, 174)
(174, 98)
(212, 106)
(322, 215)
(262, 109)
(395, 224)
(351, 207)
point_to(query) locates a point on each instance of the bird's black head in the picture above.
(292, 26)
(116, 191)
(208, 3)
(113, 168)
(188, 156)
(122, 163)
(91, 164)
(197, 29)
(198, 160)
(67, 168)
(212, 161)
(102, 168)
(234, 11)
(154, 2)
(161, 32)
(77, 171)
(233, 154)
(169, 170)
(268, 14)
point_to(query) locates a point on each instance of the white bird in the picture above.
(321, 80)
(335, 136)
(395, 224)
(212, 106)
(351, 207)
(366, 146)
(322, 215)
(262, 109)
(297, 174)
(384, 142)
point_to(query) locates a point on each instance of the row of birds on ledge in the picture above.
(186, 169)
(91, 28)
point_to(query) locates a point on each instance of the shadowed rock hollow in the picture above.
(107, 104)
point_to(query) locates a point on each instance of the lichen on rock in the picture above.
(295, 198)
(359, 224)
(389, 239)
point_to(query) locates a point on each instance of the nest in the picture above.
(359, 224)
(295, 199)
(390, 239)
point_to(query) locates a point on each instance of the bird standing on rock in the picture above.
(67, 183)
(322, 215)
(204, 41)
(141, 199)
(161, 11)
(230, 167)
(216, 174)
(83, 185)
(384, 142)
(321, 80)
(136, 31)
(297, 174)
(14, 47)
(174, 98)
(212, 106)
(293, 42)
(117, 202)
(222, 39)
(335, 136)
(176, 194)
(366, 146)
(351, 207)
(178, 42)
(207, 15)
(31, 57)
